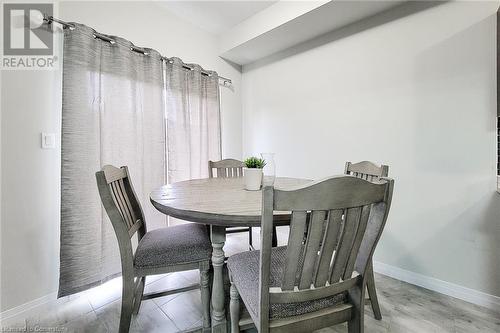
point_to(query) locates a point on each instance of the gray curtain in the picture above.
(193, 120)
(113, 113)
(121, 107)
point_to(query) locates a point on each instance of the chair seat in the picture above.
(185, 243)
(244, 268)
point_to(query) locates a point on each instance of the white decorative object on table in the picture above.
(253, 178)
(253, 173)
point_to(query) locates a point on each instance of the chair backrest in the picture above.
(123, 208)
(346, 217)
(366, 170)
(228, 168)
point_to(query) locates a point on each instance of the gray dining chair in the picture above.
(316, 281)
(165, 250)
(231, 168)
(369, 171)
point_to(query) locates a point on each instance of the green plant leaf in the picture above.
(254, 163)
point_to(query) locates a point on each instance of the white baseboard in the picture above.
(27, 306)
(440, 286)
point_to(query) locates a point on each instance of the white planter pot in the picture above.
(253, 178)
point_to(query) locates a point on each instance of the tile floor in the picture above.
(405, 308)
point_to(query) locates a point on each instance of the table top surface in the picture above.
(217, 201)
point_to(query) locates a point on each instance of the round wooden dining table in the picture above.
(220, 203)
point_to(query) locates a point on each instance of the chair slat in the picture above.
(221, 173)
(329, 242)
(127, 202)
(293, 251)
(345, 243)
(365, 213)
(126, 208)
(121, 203)
(115, 199)
(312, 247)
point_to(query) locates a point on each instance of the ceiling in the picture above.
(216, 16)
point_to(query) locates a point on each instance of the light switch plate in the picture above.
(48, 140)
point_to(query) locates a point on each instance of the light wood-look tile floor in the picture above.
(405, 308)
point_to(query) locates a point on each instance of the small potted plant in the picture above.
(253, 173)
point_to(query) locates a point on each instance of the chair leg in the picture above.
(234, 308)
(250, 238)
(127, 304)
(356, 323)
(138, 295)
(205, 296)
(372, 292)
(275, 238)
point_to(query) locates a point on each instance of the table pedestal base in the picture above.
(218, 238)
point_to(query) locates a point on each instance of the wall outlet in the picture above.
(48, 140)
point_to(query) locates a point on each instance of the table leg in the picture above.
(218, 237)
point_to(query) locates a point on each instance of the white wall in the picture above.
(30, 104)
(417, 93)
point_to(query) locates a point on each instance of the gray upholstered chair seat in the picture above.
(244, 269)
(179, 244)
